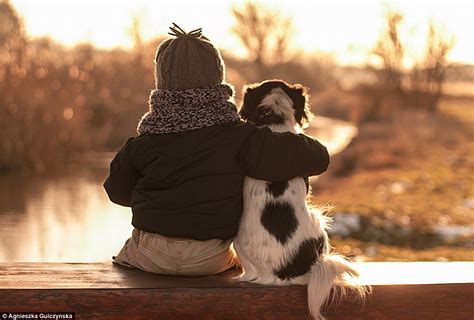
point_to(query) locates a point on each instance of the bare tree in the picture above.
(135, 34)
(263, 32)
(427, 77)
(390, 50)
(423, 84)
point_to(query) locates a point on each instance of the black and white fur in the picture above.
(281, 240)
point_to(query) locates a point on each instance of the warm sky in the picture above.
(347, 29)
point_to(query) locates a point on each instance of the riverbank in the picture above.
(410, 181)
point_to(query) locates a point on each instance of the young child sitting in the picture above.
(183, 174)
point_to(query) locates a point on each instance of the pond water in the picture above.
(67, 216)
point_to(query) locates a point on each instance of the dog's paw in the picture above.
(247, 277)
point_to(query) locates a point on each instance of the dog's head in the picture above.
(275, 102)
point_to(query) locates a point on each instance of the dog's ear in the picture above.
(300, 97)
(249, 103)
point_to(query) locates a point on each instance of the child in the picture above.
(183, 174)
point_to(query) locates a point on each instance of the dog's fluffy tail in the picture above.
(331, 272)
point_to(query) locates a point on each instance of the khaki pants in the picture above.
(158, 254)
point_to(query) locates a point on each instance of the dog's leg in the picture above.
(250, 271)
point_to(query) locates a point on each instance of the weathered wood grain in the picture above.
(103, 291)
(107, 275)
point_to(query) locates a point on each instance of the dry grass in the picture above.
(414, 171)
(459, 88)
(363, 251)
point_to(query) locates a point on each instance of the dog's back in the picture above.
(280, 239)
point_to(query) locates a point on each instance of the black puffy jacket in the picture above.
(189, 184)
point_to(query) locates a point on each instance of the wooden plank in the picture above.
(167, 303)
(421, 301)
(437, 301)
(106, 275)
(110, 292)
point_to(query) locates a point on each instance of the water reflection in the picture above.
(65, 217)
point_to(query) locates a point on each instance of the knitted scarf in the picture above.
(190, 109)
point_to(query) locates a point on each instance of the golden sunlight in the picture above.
(346, 30)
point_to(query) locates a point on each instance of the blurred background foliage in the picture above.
(58, 102)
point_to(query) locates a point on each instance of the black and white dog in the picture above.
(281, 240)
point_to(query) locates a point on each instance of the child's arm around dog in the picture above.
(263, 155)
(274, 156)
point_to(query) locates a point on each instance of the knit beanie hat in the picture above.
(188, 60)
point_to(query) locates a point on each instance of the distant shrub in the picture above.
(57, 102)
(420, 86)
